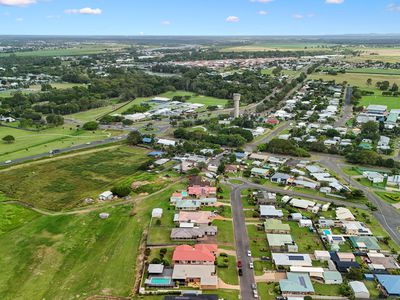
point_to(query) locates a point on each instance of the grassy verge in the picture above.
(227, 269)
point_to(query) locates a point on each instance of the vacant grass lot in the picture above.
(225, 237)
(228, 274)
(75, 256)
(94, 114)
(12, 216)
(29, 143)
(63, 184)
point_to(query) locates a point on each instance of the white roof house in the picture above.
(157, 213)
(288, 259)
(374, 177)
(107, 195)
(343, 213)
(166, 142)
(301, 203)
(359, 289)
(270, 211)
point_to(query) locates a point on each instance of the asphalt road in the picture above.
(347, 108)
(387, 215)
(242, 243)
(273, 134)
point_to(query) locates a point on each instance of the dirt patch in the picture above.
(137, 184)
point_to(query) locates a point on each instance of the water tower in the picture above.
(236, 103)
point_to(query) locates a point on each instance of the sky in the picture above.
(198, 17)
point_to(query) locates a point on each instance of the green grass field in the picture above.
(94, 114)
(73, 51)
(196, 98)
(272, 46)
(63, 184)
(29, 143)
(225, 237)
(229, 274)
(374, 71)
(284, 72)
(390, 102)
(74, 256)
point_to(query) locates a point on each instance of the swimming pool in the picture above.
(327, 232)
(160, 281)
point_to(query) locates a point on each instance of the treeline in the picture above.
(216, 55)
(227, 138)
(279, 146)
(14, 65)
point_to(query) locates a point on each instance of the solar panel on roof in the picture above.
(292, 257)
(302, 281)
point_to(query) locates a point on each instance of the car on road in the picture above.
(240, 271)
(248, 253)
(8, 162)
(239, 264)
(254, 286)
(88, 143)
(255, 294)
(54, 151)
(251, 265)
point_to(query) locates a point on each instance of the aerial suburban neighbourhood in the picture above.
(220, 150)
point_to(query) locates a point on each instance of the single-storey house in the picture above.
(276, 226)
(389, 284)
(269, 211)
(359, 289)
(296, 283)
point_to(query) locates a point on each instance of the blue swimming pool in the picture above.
(160, 281)
(327, 232)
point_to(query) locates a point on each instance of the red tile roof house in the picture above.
(200, 254)
(272, 121)
(200, 188)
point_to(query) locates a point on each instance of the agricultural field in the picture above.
(29, 143)
(73, 51)
(274, 46)
(62, 184)
(80, 254)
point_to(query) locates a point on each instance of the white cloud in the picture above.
(141, 33)
(84, 11)
(298, 16)
(263, 12)
(166, 22)
(232, 19)
(17, 2)
(334, 1)
(19, 19)
(394, 7)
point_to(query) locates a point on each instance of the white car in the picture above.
(251, 265)
(248, 253)
(255, 294)
(8, 162)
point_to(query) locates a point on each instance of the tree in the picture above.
(91, 125)
(369, 81)
(134, 138)
(121, 191)
(55, 120)
(370, 130)
(9, 139)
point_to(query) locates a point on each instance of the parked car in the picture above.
(251, 265)
(239, 264)
(240, 272)
(248, 253)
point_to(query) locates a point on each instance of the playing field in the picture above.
(29, 143)
(375, 71)
(64, 184)
(196, 98)
(390, 102)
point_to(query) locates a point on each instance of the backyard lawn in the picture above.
(306, 240)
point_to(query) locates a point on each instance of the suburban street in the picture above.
(242, 243)
(347, 111)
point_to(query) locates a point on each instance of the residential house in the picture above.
(389, 284)
(276, 227)
(258, 172)
(355, 228)
(199, 254)
(359, 289)
(296, 284)
(201, 276)
(365, 243)
(332, 277)
(193, 233)
(280, 178)
(344, 214)
(383, 143)
(289, 259)
(195, 217)
(374, 177)
(108, 195)
(282, 243)
(265, 198)
(157, 213)
(322, 255)
(269, 211)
